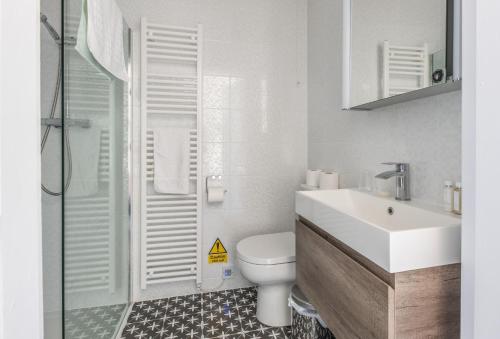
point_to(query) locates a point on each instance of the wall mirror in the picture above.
(399, 50)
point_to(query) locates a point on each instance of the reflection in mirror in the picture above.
(397, 46)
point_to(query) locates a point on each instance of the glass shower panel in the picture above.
(51, 158)
(96, 214)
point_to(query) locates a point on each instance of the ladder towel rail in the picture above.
(170, 93)
(406, 68)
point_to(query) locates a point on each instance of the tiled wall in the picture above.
(426, 133)
(254, 107)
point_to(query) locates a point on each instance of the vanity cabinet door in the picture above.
(350, 299)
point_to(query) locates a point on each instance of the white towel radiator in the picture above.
(405, 69)
(90, 260)
(170, 96)
(89, 222)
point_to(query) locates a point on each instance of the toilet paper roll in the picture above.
(216, 194)
(312, 178)
(328, 181)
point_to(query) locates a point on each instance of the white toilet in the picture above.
(269, 261)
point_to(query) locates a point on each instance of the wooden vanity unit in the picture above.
(359, 299)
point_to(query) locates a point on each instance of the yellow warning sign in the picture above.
(218, 253)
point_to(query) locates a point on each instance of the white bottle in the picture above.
(448, 196)
(457, 199)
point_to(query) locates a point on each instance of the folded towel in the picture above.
(85, 150)
(100, 36)
(171, 160)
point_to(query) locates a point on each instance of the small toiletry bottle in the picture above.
(457, 199)
(448, 196)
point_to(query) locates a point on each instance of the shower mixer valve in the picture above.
(58, 123)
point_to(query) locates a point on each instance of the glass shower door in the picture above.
(96, 213)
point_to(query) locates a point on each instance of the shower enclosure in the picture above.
(85, 166)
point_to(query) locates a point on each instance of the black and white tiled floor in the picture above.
(93, 322)
(226, 314)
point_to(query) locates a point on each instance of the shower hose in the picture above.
(65, 131)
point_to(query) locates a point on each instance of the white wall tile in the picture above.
(216, 125)
(218, 17)
(260, 192)
(264, 21)
(213, 158)
(216, 91)
(254, 123)
(259, 159)
(175, 12)
(218, 58)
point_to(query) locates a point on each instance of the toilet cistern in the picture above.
(402, 174)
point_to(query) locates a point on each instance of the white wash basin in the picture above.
(410, 238)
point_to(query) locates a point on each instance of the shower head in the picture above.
(53, 33)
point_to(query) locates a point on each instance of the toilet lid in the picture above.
(268, 249)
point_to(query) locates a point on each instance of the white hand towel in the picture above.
(85, 150)
(171, 160)
(100, 36)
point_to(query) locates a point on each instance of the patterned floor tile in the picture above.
(180, 328)
(227, 314)
(250, 323)
(137, 331)
(221, 326)
(248, 297)
(192, 319)
(287, 331)
(187, 304)
(268, 333)
(94, 322)
(154, 309)
(215, 299)
(220, 311)
(248, 310)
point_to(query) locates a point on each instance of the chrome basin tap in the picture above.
(402, 174)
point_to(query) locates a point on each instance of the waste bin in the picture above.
(306, 322)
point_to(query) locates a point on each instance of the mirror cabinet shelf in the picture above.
(450, 86)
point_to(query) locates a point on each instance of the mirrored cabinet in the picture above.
(399, 50)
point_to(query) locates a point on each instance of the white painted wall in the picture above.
(481, 163)
(425, 133)
(254, 106)
(21, 310)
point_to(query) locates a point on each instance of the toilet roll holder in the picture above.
(214, 181)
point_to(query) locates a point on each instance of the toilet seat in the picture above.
(268, 249)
